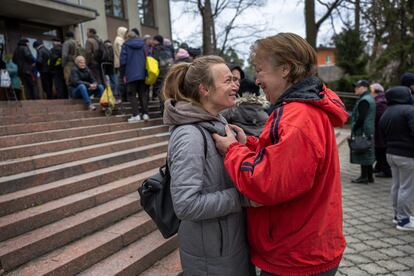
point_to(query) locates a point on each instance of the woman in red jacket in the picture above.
(292, 170)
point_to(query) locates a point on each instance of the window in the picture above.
(146, 12)
(115, 8)
(328, 60)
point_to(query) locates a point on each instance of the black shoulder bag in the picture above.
(155, 197)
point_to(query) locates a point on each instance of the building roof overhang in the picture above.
(51, 12)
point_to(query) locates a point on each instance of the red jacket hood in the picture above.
(312, 91)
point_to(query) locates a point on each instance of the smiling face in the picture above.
(223, 94)
(272, 79)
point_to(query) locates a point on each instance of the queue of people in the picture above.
(387, 120)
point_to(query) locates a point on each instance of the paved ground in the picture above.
(374, 246)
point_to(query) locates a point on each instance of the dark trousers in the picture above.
(47, 84)
(96, 72)
(331, 272)
(382, 165)
(133, 88)
(156, 89)
(367, 172)
(59, 81)
(29, 84)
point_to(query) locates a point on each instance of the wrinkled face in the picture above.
(81, 63)
(223, 95)
(271, 79)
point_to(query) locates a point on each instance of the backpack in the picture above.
(107, 54)
(155, 197)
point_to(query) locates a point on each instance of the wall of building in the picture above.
(322, 55)
(162, 16)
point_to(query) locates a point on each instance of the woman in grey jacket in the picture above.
(212, 232)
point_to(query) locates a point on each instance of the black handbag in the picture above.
(155, 198)
(360, 144)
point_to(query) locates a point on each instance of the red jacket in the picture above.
(293, 170)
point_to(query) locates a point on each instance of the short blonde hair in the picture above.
(287, 49)
(183, 80)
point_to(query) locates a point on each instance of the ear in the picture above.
(202, 89)
(285, 70)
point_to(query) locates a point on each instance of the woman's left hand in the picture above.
(223, 142)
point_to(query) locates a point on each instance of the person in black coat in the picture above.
(83, 83)
(397, 128)
(56, 68)
(25, 62)
(42, 63)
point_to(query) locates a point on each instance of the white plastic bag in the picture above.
(5, 80)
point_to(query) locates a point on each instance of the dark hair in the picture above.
(248, 86)
(183, 80)
(92, 31)
(159, 38)
(135, 30)
(287, 49)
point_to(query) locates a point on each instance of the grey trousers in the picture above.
(402, 191)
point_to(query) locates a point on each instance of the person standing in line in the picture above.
(382, 168)
(132, 61)
(292, 169)
(165, 60)
(25, 62)
(55, 65)
(407, 79)
(211, 235)
(363, 124)
(93, 52)
(42, 63)
(117, 46)
(397, 128)
(69, 52)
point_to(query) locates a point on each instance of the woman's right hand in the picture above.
(241, 136)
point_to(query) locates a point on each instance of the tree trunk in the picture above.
(357, 16)
(310, 22)
(208, 28)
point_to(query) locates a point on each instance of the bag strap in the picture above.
(204, 138)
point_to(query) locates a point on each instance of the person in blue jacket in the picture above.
(132, 61)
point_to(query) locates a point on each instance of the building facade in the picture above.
(48, 19)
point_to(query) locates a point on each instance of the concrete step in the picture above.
(60, 116)
(28, 103)
(36, 108)
(167, 266)
(62, 134)
(54, 125)
(23, 248)
(24, 180)
(38, 216)
(16, 166)
(84, 253)
(21, 151)
(136, 257)
(36, 196)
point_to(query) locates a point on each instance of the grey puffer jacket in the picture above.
(212, 232)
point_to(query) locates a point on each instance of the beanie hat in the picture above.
(407, 79)
(377, 87)
(37, 43)
(159, 38)
(181, 54)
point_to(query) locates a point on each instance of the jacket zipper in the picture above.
(221, 238)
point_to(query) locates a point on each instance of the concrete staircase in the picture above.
(68, 200)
